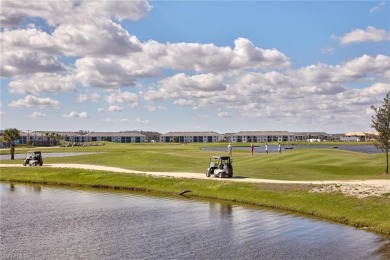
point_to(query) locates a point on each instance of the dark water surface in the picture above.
(45, 155)
(285, 148)
(39, 222)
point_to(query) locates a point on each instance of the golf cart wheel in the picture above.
(230, 175)
(40, 164)
(207, 174)
(24, 164)
(220, 175)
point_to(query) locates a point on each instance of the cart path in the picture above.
(358, 188)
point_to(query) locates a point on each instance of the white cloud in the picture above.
(311, 95)
(53, 11)
(41, 83)
(98, 37)
(248, 55)
(38, 115)
(111, 120)
(82, 98)
(378, 7)
(123, 98)
(138, 120)
(101, 110)
(57, 12)
(82, 115)
(114, 109)
(377, 89)
(224, 114)
(370, 34)
(30, 39)
(112, 73)
(203, 116)
(95, 97)
(15, 63)
(328, 50)
(208, 57)
(28, 51)
(239, 87)
(351, 71)
(30, 101)
(181, 86)
(365, 64)
(83, 44)
(11, 19)
(152, 108)
(183, 102)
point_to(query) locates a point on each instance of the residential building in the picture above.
(310, 136)
(191, 137)
(42, 138)
(359, 136)
(262, 136)
(117, 137)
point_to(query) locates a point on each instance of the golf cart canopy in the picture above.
(220, 157)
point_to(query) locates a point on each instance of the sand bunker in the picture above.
(357, 190)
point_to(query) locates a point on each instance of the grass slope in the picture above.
(300, 164)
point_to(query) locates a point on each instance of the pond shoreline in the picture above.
(5, 157)
(292, 197)
(273, 148)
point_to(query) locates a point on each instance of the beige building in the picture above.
(359, 136)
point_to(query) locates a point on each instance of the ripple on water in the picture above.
(57, 223)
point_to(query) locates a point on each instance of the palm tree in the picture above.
(10, 136)
(52, 136)
(58, 138)
(48, 137)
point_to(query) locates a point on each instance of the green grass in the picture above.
(368, 213)
(299, 164)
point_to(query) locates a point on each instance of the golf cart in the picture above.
(220, 166)
(33, 159)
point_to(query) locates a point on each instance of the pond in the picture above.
(285, 148)
(45, 155)
(40, 222)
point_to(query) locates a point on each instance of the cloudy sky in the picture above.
(223, 66)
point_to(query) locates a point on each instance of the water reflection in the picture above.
(37, 188)
(222, 210)
(41, 222)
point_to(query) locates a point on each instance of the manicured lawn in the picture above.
(299, 164)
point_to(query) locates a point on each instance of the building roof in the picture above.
(43, 133)
(91, 134)
(191, 134)
(258, 133)
(360, 133)
(309, 133)
(117, 134)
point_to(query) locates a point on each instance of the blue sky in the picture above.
(223, 66)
